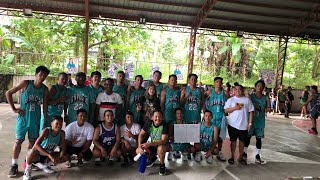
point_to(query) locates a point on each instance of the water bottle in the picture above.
(137, 157)
(143, 163)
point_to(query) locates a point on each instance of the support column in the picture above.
(192, 44)
(86, 38)
(282, 53)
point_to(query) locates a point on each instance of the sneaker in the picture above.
(13, 171)
(151, 162)
(39, 165)
(209, 160)
(176, 154)
(231, 161)
(221, 157)
(169, 157)
(185, 156)
(243, 162)
(197, 158)
(162, 171)
(259, 161)
(48, 170)
(27, 174)
(80, 163)
(244, 156)
(125, 161)
(189, 156)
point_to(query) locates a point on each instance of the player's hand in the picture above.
(54, 161)
(249, 126)
(208, 153)
(129, 134)
(237, 106)
(145, 146)
(140, 150)
(75, 141)
(104, 153)
(139, 107)
(113, 153)
(19, 111)
(80, 155)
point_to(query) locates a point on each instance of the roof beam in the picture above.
(264, 5)
(203, 13)
(305, 21)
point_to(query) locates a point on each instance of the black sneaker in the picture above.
(244, 156)
(125, 161)
(162, 171)
(242, 161)
(189, 156)
(151, 162)
(13, 171)
(259, 161)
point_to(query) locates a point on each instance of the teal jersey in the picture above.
(171, 102)
(192, 108)
(30, 103)
(79, 98)
(50, 142)
(215, 103)
(135, 98)
(54, 109)
(206, 136)
(159, 88)
(95, 92)
(259, 116)
(122, 91)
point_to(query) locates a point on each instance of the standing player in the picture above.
(156, 81)
(192, 98)
(29, 112)
(57, 97)
(216, 98)
(79, 98)
(134, 99)
(95, 89)
(121, 88)
(314, 100)
(261, 105)
(170, 99)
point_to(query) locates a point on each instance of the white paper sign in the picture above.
(186, 133)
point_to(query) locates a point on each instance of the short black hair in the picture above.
(239, 86)
(108, 110)
(81, 74)
(129, 113)
(260, 81)
(110, 79)
(139, 76)
(236, 84)
(63, 74)
(208, 112)
(42, 69)
(81, 111)
(315, 88)
(58, 118)
(157, 71)
(120, 72)
(157, 110)
(97, 73)
(217, 78)
(173, 75)
(192, 74)
(178, 109)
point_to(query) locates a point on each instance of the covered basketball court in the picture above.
(289, 150)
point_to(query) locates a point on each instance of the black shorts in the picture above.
(76, 150)
(234, 134)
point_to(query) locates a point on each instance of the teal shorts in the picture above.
(217, 122)
(179, 146)
(259, 133)
(205, 148)
(22, 129)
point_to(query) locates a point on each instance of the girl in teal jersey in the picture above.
(44, 147)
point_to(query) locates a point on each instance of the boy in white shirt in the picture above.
(240, 109)
(129, 137)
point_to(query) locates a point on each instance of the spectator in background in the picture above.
(273, 100)
(281, 98)
(288, 102)
(304, 97)
(69, 81)
(87, 82)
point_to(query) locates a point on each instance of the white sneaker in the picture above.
(169, 157)
(184, 156)
(27, 174)
(198, 157)
(209, 159)
(39, 165)
(221, 157)
(48, 170)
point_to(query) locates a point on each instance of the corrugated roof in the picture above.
(281, 17)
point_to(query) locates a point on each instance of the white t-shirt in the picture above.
(135, 130)
(108, 102)
(82, 134)
(239, 118)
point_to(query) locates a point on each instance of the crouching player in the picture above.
(156, 131)
(208, 139)
(106, 139)
(44, 147)
(176, 149)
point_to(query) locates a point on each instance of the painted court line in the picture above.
(301, 128)
(231, 174)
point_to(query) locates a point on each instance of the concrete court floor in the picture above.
(290, 151)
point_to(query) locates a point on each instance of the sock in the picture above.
(245, 150)
(258, 151)
(28, 166)
(14, 161)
